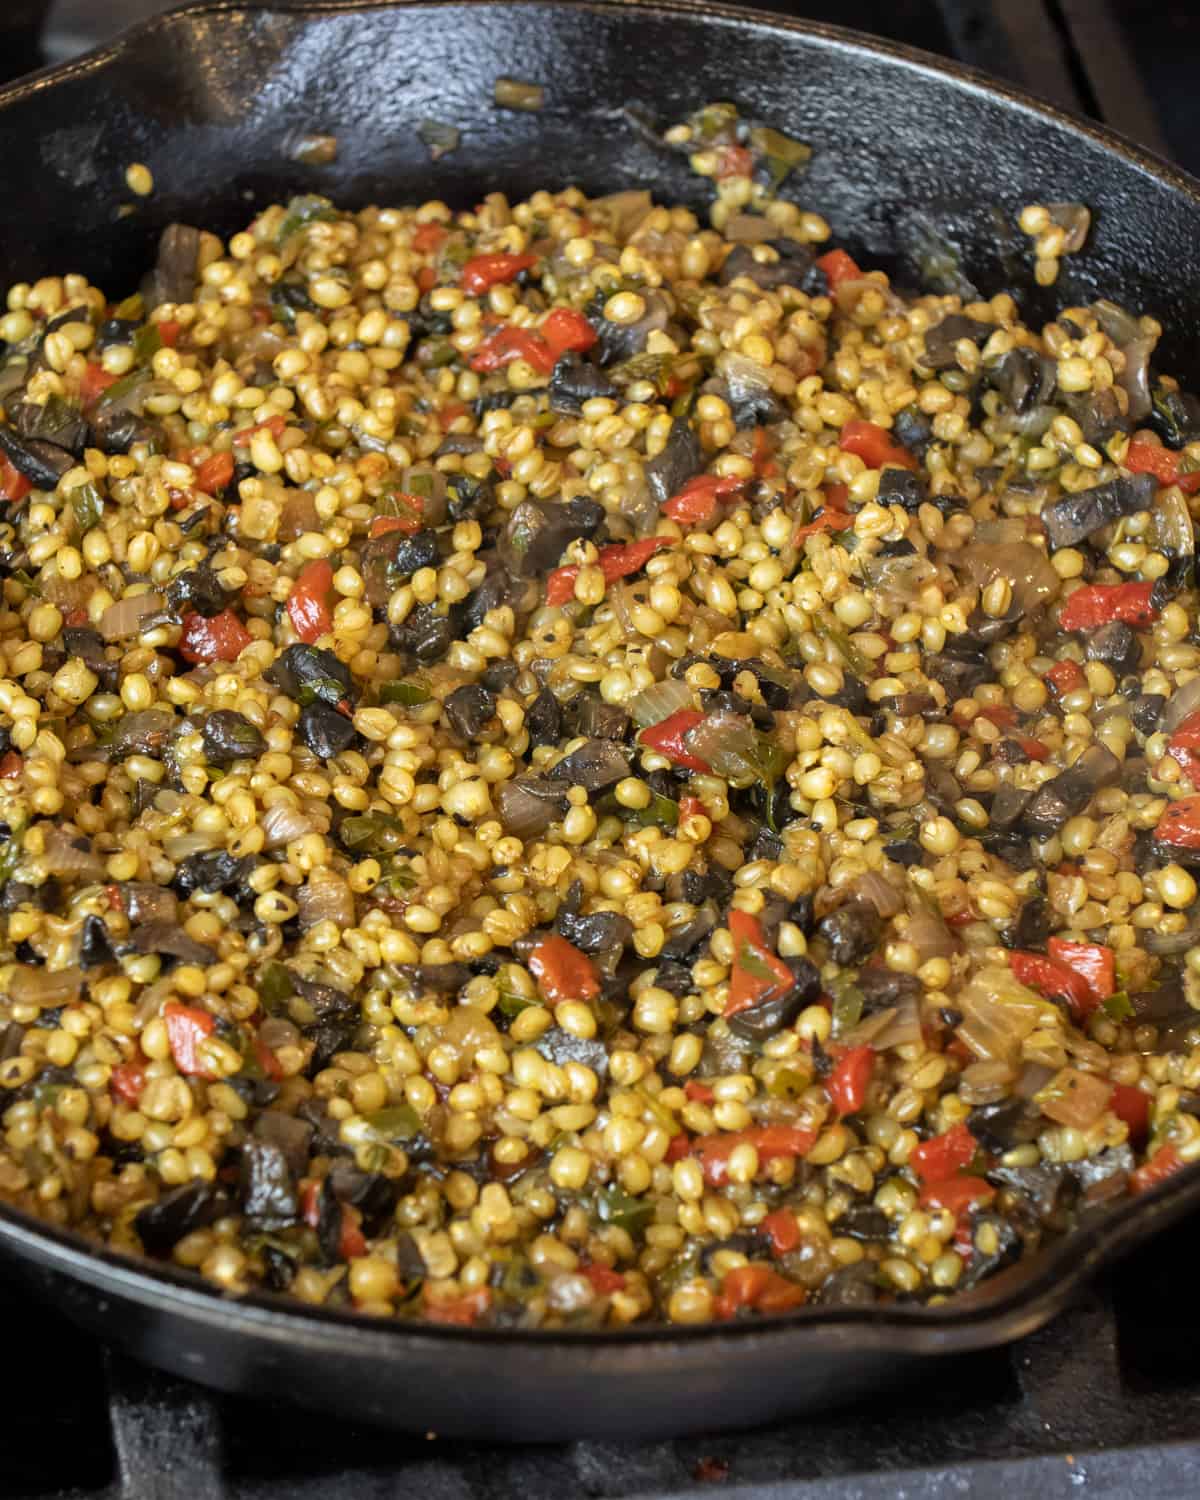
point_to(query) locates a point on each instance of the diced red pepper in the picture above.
(620, 560)
(700, 1092)
(485, 271)
(945, 1155)
(96, 380)
(1180, 824)
(564, 329)
(1002, 715)
(1133, 1106)
(757, 1287)
(1034, 749)
(308, 603)
(838, 267)
(668, 738)
(781, 1230)
(1065, 677)
(508, 344)
(1165, 1162)
(957, 1193)
(874, 445)
(562, 972)
(847, 1084)
(13, 484)
(696, 503)
(1184, 746)
(186, 1029)
(169, 330)
(733, 161)
(692, 807)
(1099, 603)
(825, 520)
(221, 638)
(604, 1278)
(127, 1081)
(1142, 457)
(10, 765)
(758, 974)
(460, 1311)
(451, 413)
(1095, 964)
(274, 425)
(215, 473)
(426, 279)
(267, 1060)
(428, 237)
(350, 1240)
(679, 1146)
(1051, 977)
(770, 1141)
(385, 525)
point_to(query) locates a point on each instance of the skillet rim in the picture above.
(1002, 1309)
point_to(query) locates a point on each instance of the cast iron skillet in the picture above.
(209, 98)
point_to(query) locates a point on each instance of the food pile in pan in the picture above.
(566, 766)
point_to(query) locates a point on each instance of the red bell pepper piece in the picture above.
(957, 1193)
(770, 1141)
(485, 271)
(385, 525)
(221, 638)
(1099, 603)
(1180, 824)
(758, 974)
(604, 1278)
(564, 329)
(1034, 749)
(1065, 677)
(1165, 1162)
(274, 425)
(1095, 964)
(781, 1231)
(696, 503)
(562, 972)
(186, 1029)
(428, 237)
(700, 1092)
(10, 765)
(350, 1239)
(1051, 977)
(757, 1287)
(1142, 457)
(508, 344)
(13, 484)
(1184, 746)
(127, 1081)
(824, 520)
(267, 1060)
(169, 330)
(1133, 1106)
(308, 603)
(620, 560)
(427, 278)
(96, 380)
(669, 735)
(733, 161)
(215, 473)
(945, 1155)
(874, 445)
(838, 267)
(679, 1146)
(692, 807)
(847, 1084)
(460, 1311)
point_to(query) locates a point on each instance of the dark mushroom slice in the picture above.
(266, 1186)
(56, 421)
(173, 278)
(617, 342)
(1175, 415)
(116, 430)
(538, 534)
(758, 1023)
(325, 731)
(573, 381)
(1024, 379)
(680, 459)
(1075, 517)
(145, 732)
(543, 719)
(469, 710)
(1098, 414)
(43, 464)
(529, 804)
(852, 932)
(309, 674)
(586, 714)
(594, 766)
(95, 946)
(883, 988)
(170, 941)
(791, 265)
(196, 591)
(210, 870)
(942, 339)
(1070, 791)
(1116, 645)
(913, 430)
(161, 1225)
(902, 487)
(428, 633)
(230, 736)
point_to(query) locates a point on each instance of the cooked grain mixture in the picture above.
(566, 767)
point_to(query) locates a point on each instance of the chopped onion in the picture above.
(181, 846)
(904, 1027)
(998, 1013)
(750, 229)
(45, 987)
(985, 1082)
(930, 936)
(879, 891)
(622, 212)
(1075, 1098)
(316, 150)
(325, 898)
(1127, 335)
(727, 743)
(283, 823)
(1076, 219)
(1028, 569)
(660, 701)
(1174, 533)
(1180, 706)
(745, 377)
(1032, 1078)
(125, 617)
(145, 902)
(62, 858)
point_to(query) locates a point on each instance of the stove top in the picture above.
(1104, 1403)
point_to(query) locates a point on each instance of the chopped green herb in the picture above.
(399, 1122)
(408, 693)
(87, 505)
(301, 212)
(1118, 1007)
(615, 1206)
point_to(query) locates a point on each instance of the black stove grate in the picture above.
(1105, 1402)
